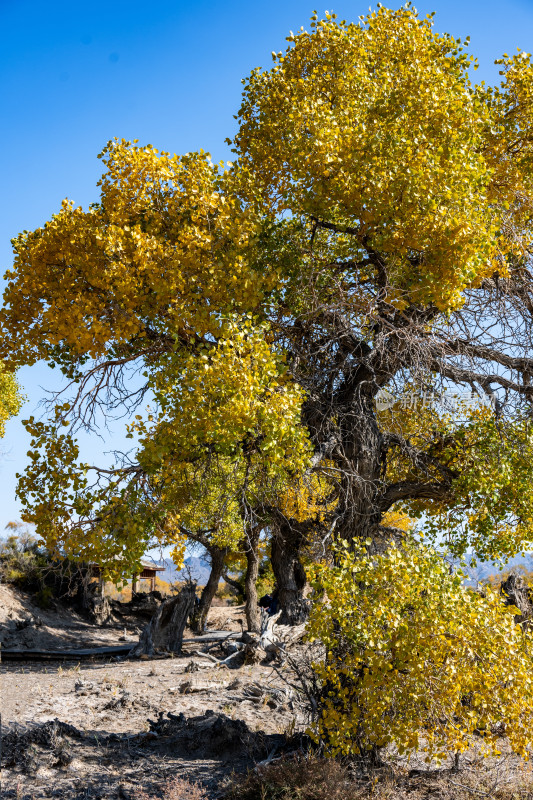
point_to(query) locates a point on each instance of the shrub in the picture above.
(177, 789)
(415, 658)
(29, 566)
(300, 778)
(21, 560)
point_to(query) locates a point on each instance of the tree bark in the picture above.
(235, 584)
(165, 629)
(359, 512)
(516, 593)
(289, 573)
(253, 617)
(199, 615)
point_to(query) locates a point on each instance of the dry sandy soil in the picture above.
(103, 730)
(24, 624)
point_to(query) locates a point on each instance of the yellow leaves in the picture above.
(234, 398)
(377, 127)
(493, 488)
(11, 398)
(156, 249)
(416, 659)
(399, 520)
(307, 498)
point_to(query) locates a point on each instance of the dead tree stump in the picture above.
(94, 606)
(165, 629)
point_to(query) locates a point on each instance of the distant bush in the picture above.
(123, 594)
(266, 582)
(22, 561)
(26, 564)
(227, 595)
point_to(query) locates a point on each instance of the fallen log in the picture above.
(218, 662)
(214, 636)
(21, 654)
(13, 654)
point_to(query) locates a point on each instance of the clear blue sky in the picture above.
(75, 75)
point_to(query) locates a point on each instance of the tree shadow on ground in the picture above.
(57, 760)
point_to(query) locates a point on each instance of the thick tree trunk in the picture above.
(165, 629)
(289, 574)
(199, 615)
(253, 617)
(359, 512)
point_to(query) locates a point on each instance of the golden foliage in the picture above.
(163, 249)
(376, 127)
(416, 659)
(11, 398)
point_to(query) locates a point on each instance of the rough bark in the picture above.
(94, 605)
(199, 615)
(165, 629)
(517, 594)
(289, 573)
(253, 617)
(359, 513)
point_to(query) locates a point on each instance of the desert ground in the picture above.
(109, 728)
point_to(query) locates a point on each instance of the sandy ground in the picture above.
(119, 697)
(117, 741)
(24, 624)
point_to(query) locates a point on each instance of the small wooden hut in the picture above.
(148, 572)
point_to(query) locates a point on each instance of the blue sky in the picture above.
(75, 75)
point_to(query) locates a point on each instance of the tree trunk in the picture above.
(253, 617)
(94, 604)
(289, 574)
(165, 629)
(516, 593)
(199, 615)
(235, 584)
(359, 512)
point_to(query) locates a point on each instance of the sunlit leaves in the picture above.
(416, 659)
(163, 250)
(11, 398)
(492, 508)
(377, 127)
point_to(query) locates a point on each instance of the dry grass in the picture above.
(314, 778)
(177, 789)
(297, 778)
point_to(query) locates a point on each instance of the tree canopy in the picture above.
(295, 320)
